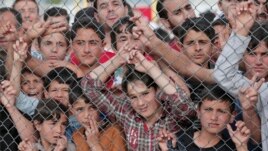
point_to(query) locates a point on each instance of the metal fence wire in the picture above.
(118, 75)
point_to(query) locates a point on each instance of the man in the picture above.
(29, 10)
(173, 13)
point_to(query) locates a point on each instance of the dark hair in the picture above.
(220, 21)
(34, 1)
(161, 11)
(62, 75)
(65, 34)
(95, 3)
(196, 24)
(258, 33)
(162, 34)
(87, 12)
(208, 15)
(217, 94)
(87, 23)
(56, 12)
(49, 109)
(116, 29)
(133, 75)
(77, 93)
(16, 14)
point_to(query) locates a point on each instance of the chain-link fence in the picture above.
(118, 75)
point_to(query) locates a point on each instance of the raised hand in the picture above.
(142, 31)
(164, 137)
(92, 133)
(8, 94)
(241, 135)
(6, 29)
(27, 145)
(136, 58)
(61, 144)
(20, 50)
(243, 17)
(249, 96)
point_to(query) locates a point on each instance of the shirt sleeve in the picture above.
(226, 71)
(179, 106)
(104, 99)
(26, 104)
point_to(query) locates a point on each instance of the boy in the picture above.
(142, 112)
(107, 136)
(215, 111)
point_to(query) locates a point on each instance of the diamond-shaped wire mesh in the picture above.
(117, 75)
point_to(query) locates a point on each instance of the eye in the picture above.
(188, 7)
(208, 109)
(177, 12)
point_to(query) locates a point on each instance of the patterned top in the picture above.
(177, 109)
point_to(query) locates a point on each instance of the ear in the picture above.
(96, 16)
(220, 5)
(37, 125)
(165, 23)
(198, 113)
(46, 94)
(103, 44)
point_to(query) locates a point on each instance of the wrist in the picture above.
(241, 147)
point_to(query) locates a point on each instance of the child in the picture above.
(150, 94)
(215, 111)
(50, 120)
(31, 84)
(96, 131)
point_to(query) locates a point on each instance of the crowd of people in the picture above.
(110, 81)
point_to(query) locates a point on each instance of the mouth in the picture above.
(53, 58)
(262, 16)
(213, 125)
(33, 94)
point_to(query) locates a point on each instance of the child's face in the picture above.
(126, 36)
(32, 85)
(257, 61)
(84, 112)
(214, 115)
(51, 131)
(59, 92)
(54, 46)
(142, 99)
(197, 46)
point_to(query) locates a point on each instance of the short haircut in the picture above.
(49, 109)
(258, 33)
(16, 14)
(87, 23)
(220, 22)
(62, 75)
(34, 1)
(196, 24)
(95, 3)
(116, 29)
(88, 12)
(217, 94)
(161, 11)
(56, 12)
(133, 75)
(78, 93)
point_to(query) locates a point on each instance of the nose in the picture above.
(214, 116)
(197, 47)
(31, 85)
(140, 101)
(87, 48)
(58, 128)
(258, 60)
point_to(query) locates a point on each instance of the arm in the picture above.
(23, 126)
(248, 98)
(20, 54)
(177, 60)
(174, 76)
(226, 68)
